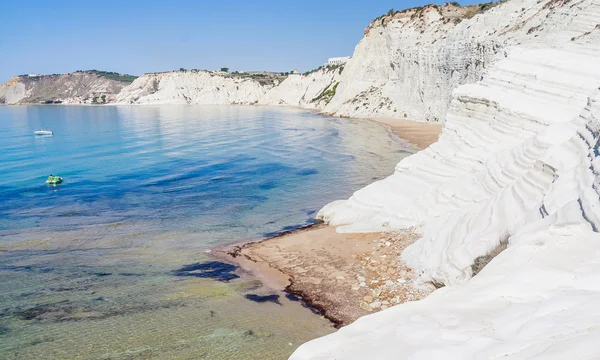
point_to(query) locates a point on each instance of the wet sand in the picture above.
(343, 276)
(420, 134)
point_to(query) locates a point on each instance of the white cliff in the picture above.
(406, 66)
(192, 87)
(408, 63)
(517, 162)
(311, 90)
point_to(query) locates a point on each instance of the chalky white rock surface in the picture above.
(537, 300)
(213, 87)
(406, 66)
(517, 159)
(191, 87)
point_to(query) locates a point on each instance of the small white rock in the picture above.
(375, 304)
(376, 292)
(365, 306)
(387, 243)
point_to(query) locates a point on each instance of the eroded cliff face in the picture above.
(74, 88)
(516, 166)
(406, 66)
(193, 87)
(312, 91)
(494, 143)
(408, 63)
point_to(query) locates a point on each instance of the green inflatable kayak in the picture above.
(53, 180)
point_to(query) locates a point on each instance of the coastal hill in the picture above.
(312, 90)
(80, 87)
(507, 201)
(406, 66)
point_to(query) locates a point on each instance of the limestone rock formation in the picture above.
(75, 88)
(516, 164)
(313, 90)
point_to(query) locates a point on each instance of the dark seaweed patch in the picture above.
(289, 229)
(296, 298)
(268, 185)
(102, 274)
(130, 274)
(292, 297)
(263, 298)
(66, 311)
(306, 172)
(41, 341)
(76, 287)
(209, 270)
(3, 330)
(55, 311)
(27, 268)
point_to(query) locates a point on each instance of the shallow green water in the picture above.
(108, 265)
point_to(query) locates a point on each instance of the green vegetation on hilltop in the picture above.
(339, 67)
(111, 75)
(470, 10)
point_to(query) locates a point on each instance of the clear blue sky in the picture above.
(135, 37)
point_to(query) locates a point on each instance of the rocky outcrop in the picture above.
(193, 87)
(406, 66)
(494, 140)
(312, 90)
(516, 165)
(75, 88)
(409, 62)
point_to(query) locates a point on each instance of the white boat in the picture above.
(43, 132)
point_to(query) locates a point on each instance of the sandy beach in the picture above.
(344, 276)
(420, 134)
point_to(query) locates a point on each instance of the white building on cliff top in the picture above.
(338, 60)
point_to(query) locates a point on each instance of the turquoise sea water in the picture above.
(111, 264)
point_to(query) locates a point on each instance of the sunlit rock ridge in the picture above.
(517, 161)
(80, 87)
(406, 66)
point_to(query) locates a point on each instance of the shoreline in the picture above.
(418, 133)
(342, 276)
